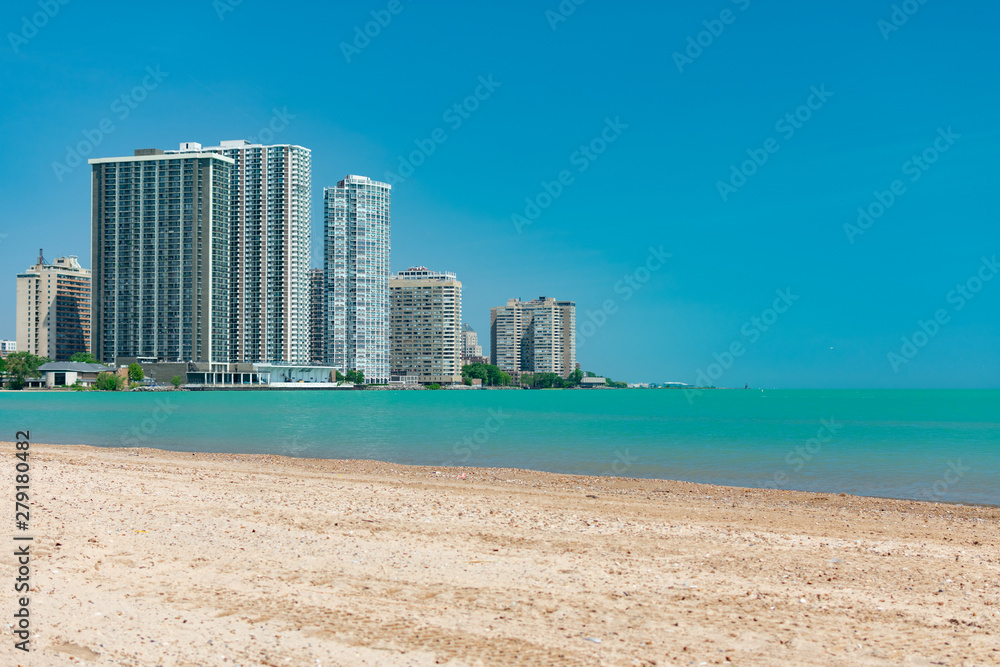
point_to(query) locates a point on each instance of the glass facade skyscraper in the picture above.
(356, 248)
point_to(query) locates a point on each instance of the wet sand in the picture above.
(146, 557)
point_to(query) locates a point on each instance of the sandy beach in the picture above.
(146, 557)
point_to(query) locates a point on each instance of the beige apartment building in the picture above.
(53, 309)
(425, 325)
(537, 336)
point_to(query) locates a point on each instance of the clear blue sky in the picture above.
(887, 94)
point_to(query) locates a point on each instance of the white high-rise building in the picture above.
(269, 224)
(356, 247)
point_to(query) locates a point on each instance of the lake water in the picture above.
(941, 445)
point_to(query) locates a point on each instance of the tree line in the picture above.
(494, 377)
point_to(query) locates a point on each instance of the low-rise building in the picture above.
(157, 371)
(68, 373)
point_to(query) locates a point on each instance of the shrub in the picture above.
(108, 382)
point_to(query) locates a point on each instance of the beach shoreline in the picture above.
(148, 557)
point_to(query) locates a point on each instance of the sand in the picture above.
(145, 557)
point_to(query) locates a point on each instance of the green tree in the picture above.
(135, 373)
(547, 381)
(434, 385)
(356, 377)
(474, 372)
(338, 376)
(20, 366)
(83, 358)
(574, 378)
(177, 381)
(490, 375)
(108, 382)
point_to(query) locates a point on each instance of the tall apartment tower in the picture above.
(269, 225)
(53, 309)
(356, 264)
(537, 336)
(470, 343)
(317, 321)
(160, 247)
(425, 330)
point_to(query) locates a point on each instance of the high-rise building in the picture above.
(53, 309)
(317, 322)
(356, 264)
(537, 336)
(470, 343)
(425, 325)
(269, 254)
(6, 347)
(161, 249)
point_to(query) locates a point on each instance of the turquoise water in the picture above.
(939, 445)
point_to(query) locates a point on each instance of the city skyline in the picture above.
(854, 177)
